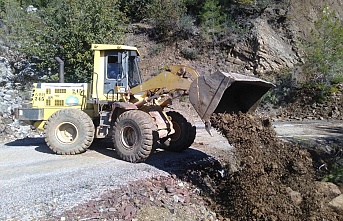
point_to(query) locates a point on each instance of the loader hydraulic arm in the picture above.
(173, 78)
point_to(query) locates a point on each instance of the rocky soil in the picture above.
(264, 178)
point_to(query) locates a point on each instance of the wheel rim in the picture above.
(129, 137)
(177, 133)
(67, 133)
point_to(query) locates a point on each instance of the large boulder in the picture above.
(337, 204)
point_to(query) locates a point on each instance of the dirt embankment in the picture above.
(275, 180)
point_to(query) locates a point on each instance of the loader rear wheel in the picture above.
(184, 133)
(69, 131)
(133, 136)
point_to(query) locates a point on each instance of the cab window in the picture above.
(113, 67)
(134, 75)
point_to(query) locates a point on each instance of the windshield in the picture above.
(134, 75)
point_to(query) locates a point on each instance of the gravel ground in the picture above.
(36, 183)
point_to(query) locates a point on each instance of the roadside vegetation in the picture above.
(324, 65)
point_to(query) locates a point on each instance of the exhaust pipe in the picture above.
(61, 69)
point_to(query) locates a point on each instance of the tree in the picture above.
(66, 28)
(324, 52)
(213, 20)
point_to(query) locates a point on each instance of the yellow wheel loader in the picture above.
(118, 104)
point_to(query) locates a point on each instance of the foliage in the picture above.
(259, 3)
(283, 92)
(217, 21)
(136, 10)
(194, 7)
(25, 3)
(66, 28)
(335, 175)
(170, 20)
(324, 52)
(212, 19)
(244, 1)
(189, 53)
(155, 49)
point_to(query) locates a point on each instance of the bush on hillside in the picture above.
(324, 52)
(170, 20)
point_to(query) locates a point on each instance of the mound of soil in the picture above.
(307, 104)
(275, 180)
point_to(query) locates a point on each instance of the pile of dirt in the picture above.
(274, 181)
(307, 104)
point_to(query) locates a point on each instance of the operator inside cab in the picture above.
(113, 67)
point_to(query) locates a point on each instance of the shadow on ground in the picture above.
(39, 142)
(192, 165)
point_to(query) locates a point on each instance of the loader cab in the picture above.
(115, 71)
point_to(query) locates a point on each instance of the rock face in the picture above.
(273, 53)
(5, 70)
(10, 99)
(279, 29)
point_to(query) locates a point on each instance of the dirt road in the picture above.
(34, 182)
(313, 131)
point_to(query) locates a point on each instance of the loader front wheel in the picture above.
(69, 131)
(184, 134)
(133, 136)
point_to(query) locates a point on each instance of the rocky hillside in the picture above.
(270, 44)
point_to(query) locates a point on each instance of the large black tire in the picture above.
(69, 131)
(184, 135)
(134, 134)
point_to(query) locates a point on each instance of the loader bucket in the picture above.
(222, 92)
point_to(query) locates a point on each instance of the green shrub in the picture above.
(283, 92)
(165, 16)
(337, 78)
(136, 10)
(155, 49)
(335, 175)
(324, 52)
(189, 53)
(212, 19)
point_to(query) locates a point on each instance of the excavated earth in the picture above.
(275, 180)
(263, 178)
